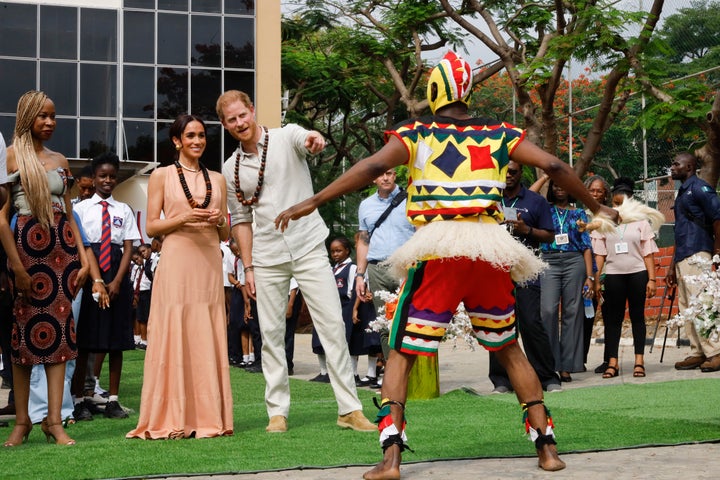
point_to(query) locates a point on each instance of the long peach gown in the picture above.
(186, 383)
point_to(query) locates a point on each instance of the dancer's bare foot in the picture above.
(548, 458)
(389, 468)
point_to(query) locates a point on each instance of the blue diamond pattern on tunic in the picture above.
(450, 160)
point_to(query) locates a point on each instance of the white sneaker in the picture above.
(97, 399)
(99, 391)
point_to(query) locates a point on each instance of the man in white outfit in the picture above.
(266, 174)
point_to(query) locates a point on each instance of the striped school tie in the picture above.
(104, 259)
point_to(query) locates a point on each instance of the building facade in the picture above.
(120, 71)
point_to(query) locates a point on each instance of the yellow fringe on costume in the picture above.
(477, 240)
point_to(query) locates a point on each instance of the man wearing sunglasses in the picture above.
(527, 216)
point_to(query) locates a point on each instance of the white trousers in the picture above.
(317, 284)
(699, 345)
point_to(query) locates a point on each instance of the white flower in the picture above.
(703, 309)
(458, 330)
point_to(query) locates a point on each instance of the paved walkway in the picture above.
(462, 367)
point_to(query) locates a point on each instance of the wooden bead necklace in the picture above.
(261, 174)
(186, 189)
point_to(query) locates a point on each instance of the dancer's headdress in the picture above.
(450, 81)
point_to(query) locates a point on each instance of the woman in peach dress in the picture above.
(186, 384)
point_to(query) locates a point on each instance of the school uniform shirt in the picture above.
(122, 220)
(139, 271)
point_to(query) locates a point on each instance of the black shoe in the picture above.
(365, 381)
(81, 413)
(291, 371)
(114, 410)
(5, 384)
(601, 368)
(321, 378)
(254, 368)
(9, 409)
(140, 346)
(91, 407)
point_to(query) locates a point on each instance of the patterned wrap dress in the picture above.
(43, 328)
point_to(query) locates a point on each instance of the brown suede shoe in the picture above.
(277, 424)
(690, 363)
(711, 365)
(357, 421)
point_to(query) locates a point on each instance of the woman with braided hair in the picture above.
(45, 261)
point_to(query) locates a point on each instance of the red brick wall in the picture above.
(652, 305)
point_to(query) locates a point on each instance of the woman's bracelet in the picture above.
(222, 224)
(651, 279)
(99, 280)
(249, 267)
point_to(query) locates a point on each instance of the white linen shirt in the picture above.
(122, 220)
(287, 182)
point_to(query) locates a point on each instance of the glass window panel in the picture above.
(139, 141)
(243, 81)
(205, 88)
(212, 157)
(59, 81)
(165, 148)
(172, 92)
(96, 137)
(172, 39)
(98, 84)
(18, 24)
(144, 4)
(242, 7)
(98, 34)
(139, 37)
(208, 6)
(139, 92)
(176, 5)
(64, 139)
(13, 86)
(239, 42)
(206, 41)
(58, 32)
(229, 145)
(7, 127)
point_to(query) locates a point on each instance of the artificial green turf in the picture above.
(456, 425)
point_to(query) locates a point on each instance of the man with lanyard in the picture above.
(527, 215)
(383, 228)
(697, 234)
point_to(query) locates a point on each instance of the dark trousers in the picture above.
(619, 289)
(290, 327)
(236, 324)
(535, 339)
(254, 325)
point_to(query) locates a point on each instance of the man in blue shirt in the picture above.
(377, 241)
(527, 215)
(697, 233)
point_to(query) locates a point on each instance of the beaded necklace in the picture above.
(261, 174)
(186, 189)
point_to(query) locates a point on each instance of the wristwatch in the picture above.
(592, 279)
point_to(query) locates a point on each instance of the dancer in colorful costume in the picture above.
(460, 252)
